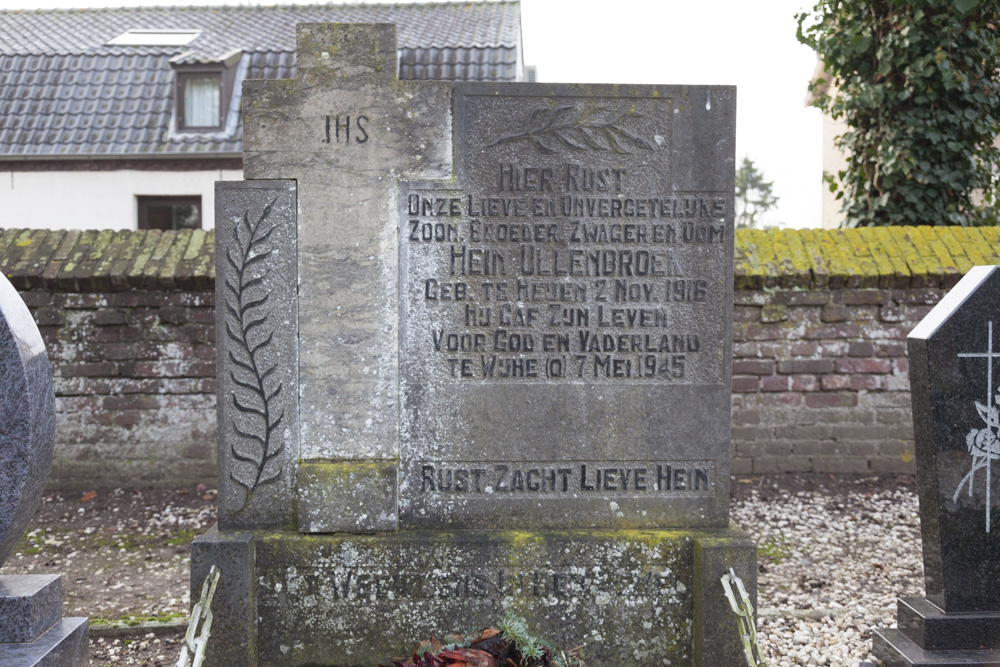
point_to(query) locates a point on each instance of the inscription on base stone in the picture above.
(565, 311)
(566, 580)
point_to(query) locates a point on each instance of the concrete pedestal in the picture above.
(635, 597)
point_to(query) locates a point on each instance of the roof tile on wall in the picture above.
(787, 258)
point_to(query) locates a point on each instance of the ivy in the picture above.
(916, 82)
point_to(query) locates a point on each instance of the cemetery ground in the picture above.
(834, 553)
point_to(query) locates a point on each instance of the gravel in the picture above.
(125, 557)
(834, 553)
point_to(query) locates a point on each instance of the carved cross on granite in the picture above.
(340, 121)
(983, 444)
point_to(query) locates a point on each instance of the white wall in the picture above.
(98, 199)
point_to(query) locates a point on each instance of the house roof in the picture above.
(65, 92)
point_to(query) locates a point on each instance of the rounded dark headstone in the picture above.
(27, 417)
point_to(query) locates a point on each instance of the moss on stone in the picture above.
(341, 471)
(973, 244)
(866, 271)
(134, 621)
(892, 271)
(314, 569)
(992, 238)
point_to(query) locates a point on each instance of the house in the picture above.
(124, 118)
(834, 159)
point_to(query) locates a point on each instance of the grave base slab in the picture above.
(633, 597)
(29, 605)
(935, 630)
(62, 645)
(927, 635)
(896, 649)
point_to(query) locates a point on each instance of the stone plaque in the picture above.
(565, 311)
(506, 310)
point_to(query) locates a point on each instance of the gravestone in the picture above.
(32, 629)
(474, 355)
(955, 383)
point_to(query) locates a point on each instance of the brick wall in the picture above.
(820, 372)
(128, 319)
(819, 357)
(820, 379)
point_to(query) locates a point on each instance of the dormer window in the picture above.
(203, 90)
(201, 97)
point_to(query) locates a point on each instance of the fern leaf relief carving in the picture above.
(553, 128)
(256, 395)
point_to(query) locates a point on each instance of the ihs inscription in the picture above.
(338, 128)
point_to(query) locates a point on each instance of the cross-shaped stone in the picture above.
(333, 129)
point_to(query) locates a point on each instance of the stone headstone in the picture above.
(955, 384)
(27, 418)
(497, 309)
(32, 630)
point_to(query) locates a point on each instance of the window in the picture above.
(203, 91)
(155, 38)
(202, 95)
(170, 212)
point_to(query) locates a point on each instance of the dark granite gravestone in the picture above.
(955, 381)
(474, 355)
(32, 630)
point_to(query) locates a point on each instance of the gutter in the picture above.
(119, 156)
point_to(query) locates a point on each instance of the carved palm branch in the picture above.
(247, 328)
(555, 126)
